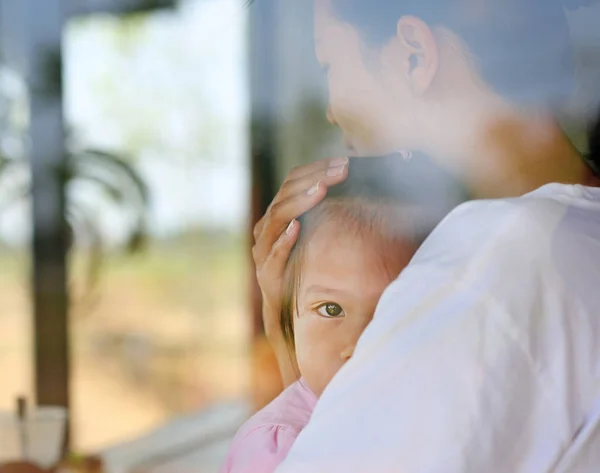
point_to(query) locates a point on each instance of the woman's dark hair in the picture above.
(522, 47)
(385, 199)
(592, 157)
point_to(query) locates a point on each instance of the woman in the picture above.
(484, 354)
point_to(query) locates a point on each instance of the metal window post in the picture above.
(47, 157)
(31, 42)
(263, 132)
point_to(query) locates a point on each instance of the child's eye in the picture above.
(331, 309)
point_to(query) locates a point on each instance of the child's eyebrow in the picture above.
(316, 288)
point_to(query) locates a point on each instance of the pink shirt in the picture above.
(263, 442)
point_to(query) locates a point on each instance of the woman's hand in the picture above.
(275, 235)
(277, 231)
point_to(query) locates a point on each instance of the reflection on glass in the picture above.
(165, 331)
(16, 350)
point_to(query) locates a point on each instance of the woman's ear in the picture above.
(421, 50)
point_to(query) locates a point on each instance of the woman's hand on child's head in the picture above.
(277, 231)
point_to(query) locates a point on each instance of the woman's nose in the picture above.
(347, 352)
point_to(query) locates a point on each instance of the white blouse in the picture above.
(483, 356)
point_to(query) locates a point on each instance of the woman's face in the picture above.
(367, 100)
(343, 277)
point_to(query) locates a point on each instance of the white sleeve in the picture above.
(442, 381)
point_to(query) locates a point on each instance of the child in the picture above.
(351, 247)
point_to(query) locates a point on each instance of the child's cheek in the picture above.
(317, 350)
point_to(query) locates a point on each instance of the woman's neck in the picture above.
(536, 152)
(502, 153)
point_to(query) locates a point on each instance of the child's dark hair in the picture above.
(385, 200)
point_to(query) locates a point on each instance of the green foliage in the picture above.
(113, 176)
(114, 179)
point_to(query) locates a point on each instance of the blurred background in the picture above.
(139, 142)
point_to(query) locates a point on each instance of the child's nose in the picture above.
(347, 352)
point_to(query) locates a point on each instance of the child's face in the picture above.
(343, 278)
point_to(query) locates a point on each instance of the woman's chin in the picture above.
(359, 149)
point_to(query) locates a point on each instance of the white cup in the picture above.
(38, 438)
(10, 438)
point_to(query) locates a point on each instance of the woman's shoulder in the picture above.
(540, 206)
(504, 228)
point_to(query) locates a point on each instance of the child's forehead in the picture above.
(343, 262)
(334, 245)
(338, 248)
(358, 223)
(332, 230)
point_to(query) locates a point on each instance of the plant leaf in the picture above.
(120, 166)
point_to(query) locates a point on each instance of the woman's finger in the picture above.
(258, 227)
(327, 175)
(274, 265)
(305, 169)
